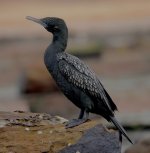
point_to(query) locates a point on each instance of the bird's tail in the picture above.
(120, 128)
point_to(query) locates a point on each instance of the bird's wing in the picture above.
(78, 73)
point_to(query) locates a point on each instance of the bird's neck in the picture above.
(58, 45)
(60, 41)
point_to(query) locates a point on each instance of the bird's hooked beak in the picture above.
(37, 21)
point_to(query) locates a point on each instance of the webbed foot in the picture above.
(75, 122)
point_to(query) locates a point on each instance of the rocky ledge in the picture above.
(24, 132)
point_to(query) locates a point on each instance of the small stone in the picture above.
(27, 129)
(60, 119)
(3, 123)
(50, 131)
(69, 144)
(41, 117)
(39, 132)
(77, 151)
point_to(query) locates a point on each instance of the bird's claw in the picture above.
(75, 122)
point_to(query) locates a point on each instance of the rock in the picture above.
(24, 132)
(96, 140)
(142, 146)
(28, 119)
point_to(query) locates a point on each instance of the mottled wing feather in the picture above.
(77, 78)
(78, 73)
(77, 63)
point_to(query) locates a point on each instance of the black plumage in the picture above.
(75, 79)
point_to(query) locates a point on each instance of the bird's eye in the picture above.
(56, 28)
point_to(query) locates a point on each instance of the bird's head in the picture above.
(51, 24)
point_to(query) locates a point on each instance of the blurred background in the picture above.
(112, 37)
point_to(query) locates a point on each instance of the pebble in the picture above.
(69, 144)
(39, 132)
(41, 116)
(27, 129)
(50, 131)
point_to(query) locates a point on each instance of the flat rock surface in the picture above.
(28, 119)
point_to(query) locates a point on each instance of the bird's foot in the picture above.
(75, 122)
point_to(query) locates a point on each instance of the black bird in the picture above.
(75, 79)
